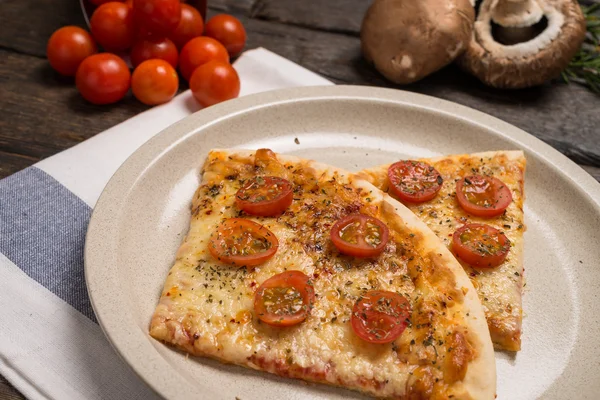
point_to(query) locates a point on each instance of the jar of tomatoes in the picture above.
(88, 7)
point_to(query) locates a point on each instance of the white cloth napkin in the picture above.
(50, 343)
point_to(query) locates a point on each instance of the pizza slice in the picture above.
(474, 204)
(302, 270)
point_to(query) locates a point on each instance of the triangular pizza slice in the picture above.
(474, 204)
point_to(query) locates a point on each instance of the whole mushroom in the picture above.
(522, 43)
(409, 39)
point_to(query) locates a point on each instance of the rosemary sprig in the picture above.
(584, 68)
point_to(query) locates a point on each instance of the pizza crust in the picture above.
(482, 369)
(176, 324)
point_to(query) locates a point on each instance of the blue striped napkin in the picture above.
(50, 343)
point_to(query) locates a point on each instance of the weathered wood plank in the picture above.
(26, 27)
(594, 171)
(243, 7)
(344, 16)
(42, 113)
(9, 164)
(333, 15)
(7, 392)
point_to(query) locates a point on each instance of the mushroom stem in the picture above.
(516, 13)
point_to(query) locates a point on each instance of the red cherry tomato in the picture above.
(284, 299)
(214, 82)
(154, 82)
(100, 2)
(103, 78)
(266, 196)
(199, 51)
(191, 25)
(112, 26)
(158, 17)
(380, 316)
(149, 49)
(129, 3)
(68, 47)
(360, 235)
(228, 30)
(483, 196)
(414, 181)
(480, 245)
(242, 242)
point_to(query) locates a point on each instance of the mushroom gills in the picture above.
(523, 43)
(514, 35)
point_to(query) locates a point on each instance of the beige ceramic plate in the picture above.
(143, 215)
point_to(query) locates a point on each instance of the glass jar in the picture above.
(88, 8)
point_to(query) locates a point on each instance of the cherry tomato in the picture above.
(360, 235)
(191, 25)
(284, 299)
(380, 316)
(129, 3)
(68, 47)
(100, 2)
(483, 196)
(112, 26)
(157, 17)
(103, 78)
(148, 49)
(414, 181)
(242, 242)
(154, 82)
(228, 30)
(214, 82)
(199, 51)
(265, 196)
(480, 245)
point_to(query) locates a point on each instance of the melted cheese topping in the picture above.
(206, 307)
(500, 288)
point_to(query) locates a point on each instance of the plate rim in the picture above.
(111, 198)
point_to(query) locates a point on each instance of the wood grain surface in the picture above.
(42, 113)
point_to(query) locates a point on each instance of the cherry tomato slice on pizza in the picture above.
(284, 299)
(265, 196)
(242, 242)
(380, 316)
(480, 245)
(414, 181)
(360, 235)
(483, 196)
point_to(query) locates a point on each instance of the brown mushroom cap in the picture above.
(409, 39)
(529, 63)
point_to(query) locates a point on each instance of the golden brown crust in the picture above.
(323, 348)
(499, 288)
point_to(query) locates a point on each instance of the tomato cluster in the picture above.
(159, 36)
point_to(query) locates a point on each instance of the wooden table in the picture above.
(42, 113)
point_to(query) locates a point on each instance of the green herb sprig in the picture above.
(584, 68)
